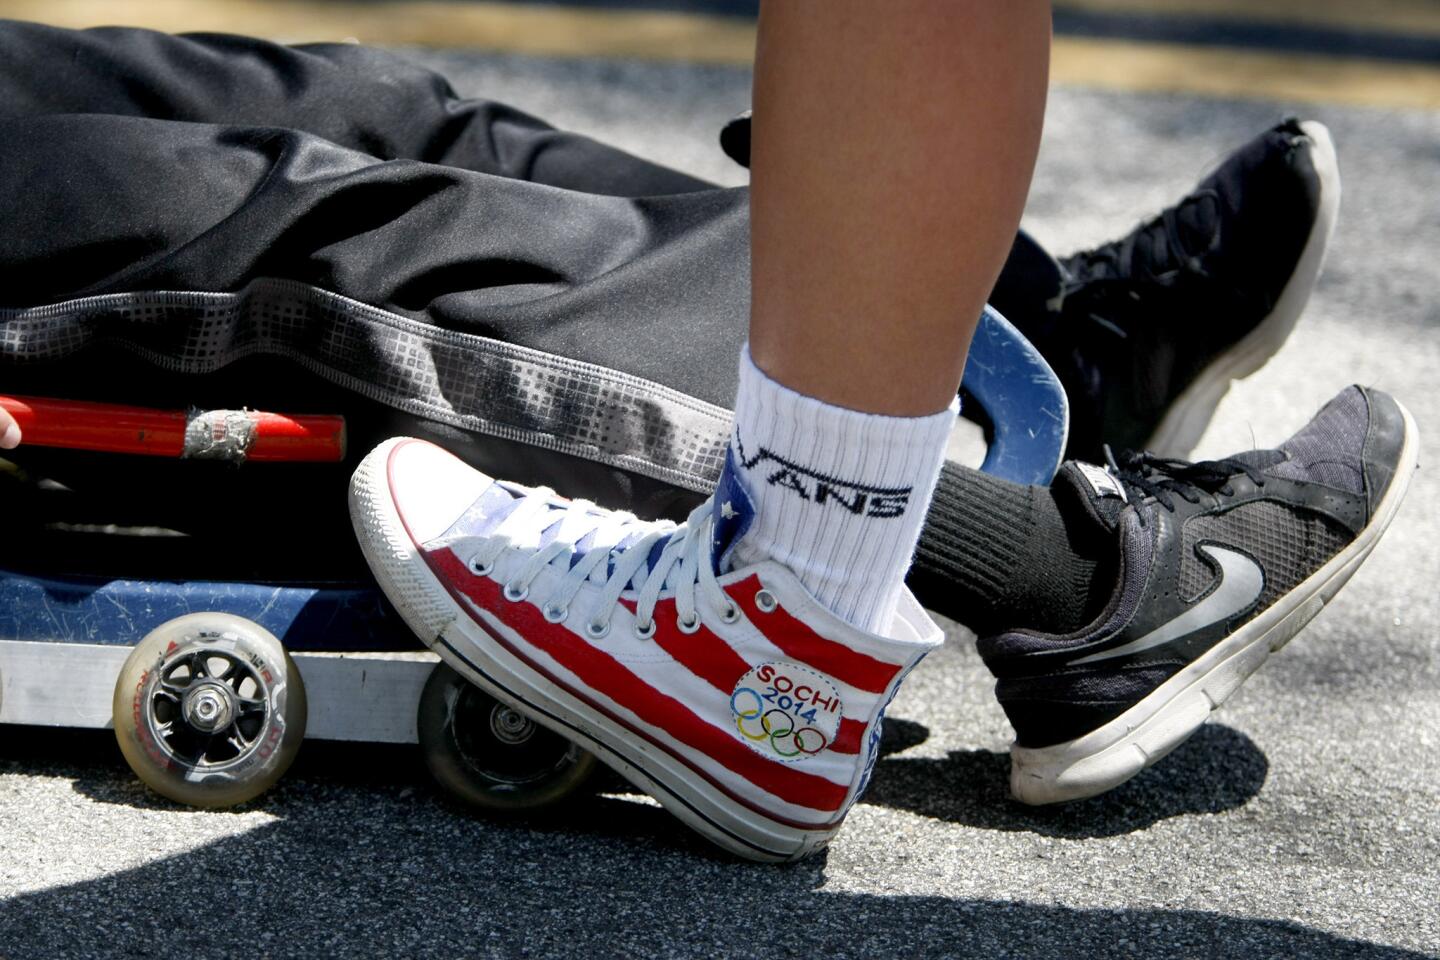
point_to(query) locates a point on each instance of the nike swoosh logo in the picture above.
(1241, 583)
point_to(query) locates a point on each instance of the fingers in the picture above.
(9, 432)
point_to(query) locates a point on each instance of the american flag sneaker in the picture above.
(731, 696)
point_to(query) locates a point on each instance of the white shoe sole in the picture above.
(430, 610)
(1110, 755)
(1190, 414)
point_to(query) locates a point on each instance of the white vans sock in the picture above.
(840, 495)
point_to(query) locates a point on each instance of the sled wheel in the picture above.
(489, 756)
(209, 710)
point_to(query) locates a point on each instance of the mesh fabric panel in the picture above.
(1288, 544)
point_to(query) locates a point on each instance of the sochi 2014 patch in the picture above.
(786, 712)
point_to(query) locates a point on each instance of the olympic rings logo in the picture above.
(758, 724)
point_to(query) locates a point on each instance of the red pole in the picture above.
(213, 434)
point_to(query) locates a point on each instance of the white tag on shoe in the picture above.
(1102, 484)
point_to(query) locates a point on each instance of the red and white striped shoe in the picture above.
(748, 710)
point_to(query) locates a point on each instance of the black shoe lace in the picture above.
(1162, 478)
(1153, 254)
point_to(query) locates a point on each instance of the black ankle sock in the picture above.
(996, 555)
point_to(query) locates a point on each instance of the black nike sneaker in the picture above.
(1147, 332)
(1220, 564)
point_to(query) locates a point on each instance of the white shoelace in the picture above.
(683, 563)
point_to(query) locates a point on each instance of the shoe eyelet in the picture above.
(766, 601)
(597, 631)
(645, 632)
(480, 569)
(730, 614)
(688, 626)
(555, 614)
(515, 596)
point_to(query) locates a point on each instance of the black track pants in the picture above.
(224, 221)
(196, 200)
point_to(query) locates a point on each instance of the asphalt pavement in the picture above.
(1304, 821)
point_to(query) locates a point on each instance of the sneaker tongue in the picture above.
(1092, 491)
(732, 510)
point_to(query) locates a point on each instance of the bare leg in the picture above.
(893, 147)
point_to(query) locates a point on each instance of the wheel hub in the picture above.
(510, 725)
(210, 706)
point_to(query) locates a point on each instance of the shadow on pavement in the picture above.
(371, 871)
(1218, 769)
(363, 859)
